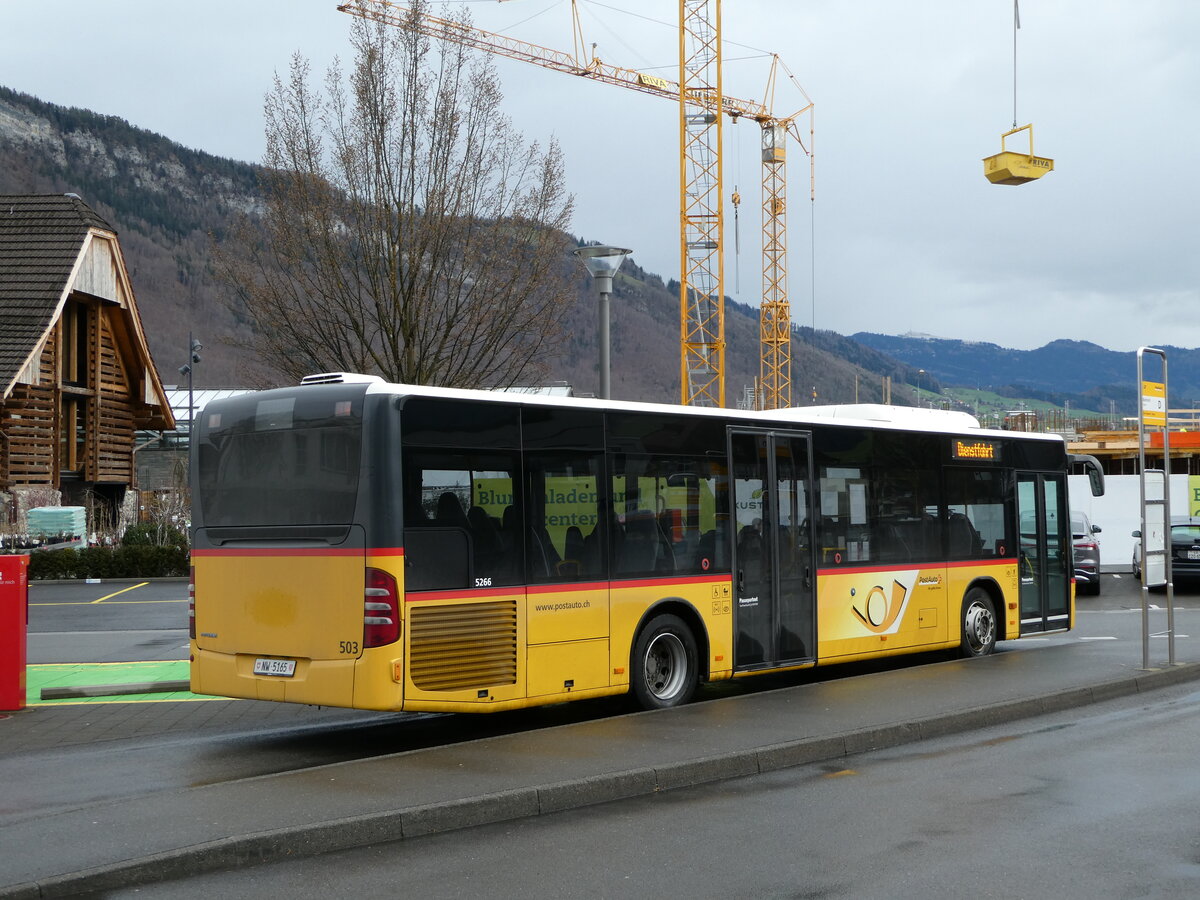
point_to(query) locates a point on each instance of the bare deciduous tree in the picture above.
(409, 231)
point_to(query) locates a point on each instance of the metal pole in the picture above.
(1164, 503)
(191, 406)
(1142, 508)
(605, 391)
(602, 262)
(1167, 516)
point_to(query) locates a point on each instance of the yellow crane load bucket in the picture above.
(1009, 167)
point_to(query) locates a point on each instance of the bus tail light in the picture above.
(381, 609)
(192, 603)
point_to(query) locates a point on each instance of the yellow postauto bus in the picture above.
(389, 547)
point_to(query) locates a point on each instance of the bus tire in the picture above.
(978, 623)
(664, 668)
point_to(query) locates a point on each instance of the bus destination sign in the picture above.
(983, 450)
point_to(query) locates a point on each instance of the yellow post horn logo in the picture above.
(881, 614)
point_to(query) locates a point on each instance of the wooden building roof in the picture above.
(40, 240)
(50, 246)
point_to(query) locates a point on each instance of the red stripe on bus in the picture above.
(467, 593)
(299, 551)
(667, 582)
(863, 570)
(571, 587)
(1011, 561)
(627, 583)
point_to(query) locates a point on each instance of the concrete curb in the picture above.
(358, 831)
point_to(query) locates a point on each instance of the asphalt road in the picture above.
(1098, 802)
(107, 622)
(203, 751)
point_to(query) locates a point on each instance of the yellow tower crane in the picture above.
(702, 106)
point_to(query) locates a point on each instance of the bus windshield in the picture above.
(288, 460)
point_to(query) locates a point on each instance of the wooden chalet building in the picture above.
(75, 370)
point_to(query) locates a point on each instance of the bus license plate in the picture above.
(284, 668)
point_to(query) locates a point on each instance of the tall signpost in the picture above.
(1155, 487)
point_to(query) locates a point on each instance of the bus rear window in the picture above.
(282, 460)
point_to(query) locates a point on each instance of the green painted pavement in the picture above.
(62, 675)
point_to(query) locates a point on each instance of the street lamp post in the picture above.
(602, 263)
(194, 348)
(920, 374)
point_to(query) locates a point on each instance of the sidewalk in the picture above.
(175, 833)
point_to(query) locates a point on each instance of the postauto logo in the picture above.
(879, 611)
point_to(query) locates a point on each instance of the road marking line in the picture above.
(1097, 638)
(91, 602)
(122, 591)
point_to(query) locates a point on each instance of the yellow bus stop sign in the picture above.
(1154, 403)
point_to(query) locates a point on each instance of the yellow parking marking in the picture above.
(91, 602)
(122, 591)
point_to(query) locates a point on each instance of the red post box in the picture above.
(14, 623)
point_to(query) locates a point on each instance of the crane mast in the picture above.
(702, 107)
(701, 206)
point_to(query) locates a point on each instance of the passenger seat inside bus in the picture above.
(714, 547)
(889, 543)
(485, 535)
(450, 512)
(593, 544)
(965, 541)
(645, 548)
(543, 557)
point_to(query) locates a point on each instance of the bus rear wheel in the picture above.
(978, 623)
(664, 668)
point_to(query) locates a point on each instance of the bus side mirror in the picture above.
(1093, 470)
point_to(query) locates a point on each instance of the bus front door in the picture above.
(1045, 552)
(773, 568)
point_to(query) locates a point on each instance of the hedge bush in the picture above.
(133, 561)
(146, 534)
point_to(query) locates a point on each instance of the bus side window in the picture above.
(564, 505)
(976, 526)
(436, 559)
(453, 501)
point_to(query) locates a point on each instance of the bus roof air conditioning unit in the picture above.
(340, 378)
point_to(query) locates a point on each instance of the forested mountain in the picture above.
(170, 204)
(163, 199)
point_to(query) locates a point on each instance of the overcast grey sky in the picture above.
(905, 231)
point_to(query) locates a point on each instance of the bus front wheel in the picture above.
(664, 668)
(978, 623)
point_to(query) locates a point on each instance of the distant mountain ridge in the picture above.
(1088, 373)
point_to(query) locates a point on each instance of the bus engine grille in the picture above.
(468, 645)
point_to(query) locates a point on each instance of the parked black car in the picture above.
(1087, 554)
(1185, 549)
